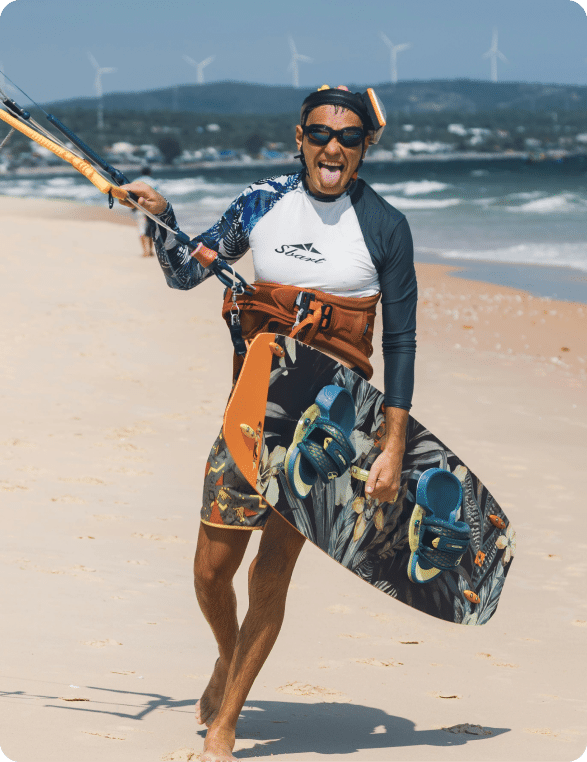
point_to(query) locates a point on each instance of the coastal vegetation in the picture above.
(209, 135)
(195, 123)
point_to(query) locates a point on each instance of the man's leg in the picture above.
(278, 552)
(218, 555)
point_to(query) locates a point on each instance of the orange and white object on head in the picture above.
(377, 113)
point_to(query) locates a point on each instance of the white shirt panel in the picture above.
(313, 244)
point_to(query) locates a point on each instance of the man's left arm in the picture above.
(385, 474)
(399, 297)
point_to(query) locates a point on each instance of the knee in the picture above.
(210, 574)
(278, 551)
(218, 556)
(270, 575)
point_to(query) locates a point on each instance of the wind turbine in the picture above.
(199, 66)
(494, 54)
(393, 51)
(98, 84)
(293, 64)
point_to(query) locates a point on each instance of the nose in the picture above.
(333, 146)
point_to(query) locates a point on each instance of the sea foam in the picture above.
(555, 255)
(411, 187)
(561, 203)
(421, 203)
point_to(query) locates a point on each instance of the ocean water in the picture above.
(505, 221)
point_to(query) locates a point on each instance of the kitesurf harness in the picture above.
(340, 325)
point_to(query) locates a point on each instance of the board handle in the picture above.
(276, 348)
(359, 473)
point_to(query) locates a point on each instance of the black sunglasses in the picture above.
(321, 135)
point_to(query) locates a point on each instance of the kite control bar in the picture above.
(21, 120)
(118, 177)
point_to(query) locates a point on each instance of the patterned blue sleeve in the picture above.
(229, 236)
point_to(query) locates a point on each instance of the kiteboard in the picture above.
(305, 430)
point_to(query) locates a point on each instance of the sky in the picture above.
(44, 43)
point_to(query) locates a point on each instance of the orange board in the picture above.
(245, 413)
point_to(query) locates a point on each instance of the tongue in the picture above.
(329, 175)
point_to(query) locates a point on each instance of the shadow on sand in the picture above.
(279, 727)
(335, 729)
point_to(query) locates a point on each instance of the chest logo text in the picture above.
(301, 251)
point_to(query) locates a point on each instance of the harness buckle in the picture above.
(326, 318)
(234, 308)
(303, 301)
(236, 331)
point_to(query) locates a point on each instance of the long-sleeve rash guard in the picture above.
(356, 245)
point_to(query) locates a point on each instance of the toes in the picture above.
(205, 713)
(199, 713)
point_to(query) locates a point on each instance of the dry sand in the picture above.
(112, 391)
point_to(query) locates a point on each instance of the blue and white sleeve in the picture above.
(181, 270)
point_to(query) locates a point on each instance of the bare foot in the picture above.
(218, 746)
(209, 703)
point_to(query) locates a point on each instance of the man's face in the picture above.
(330, 167)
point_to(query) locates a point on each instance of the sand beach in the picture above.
(112, 389)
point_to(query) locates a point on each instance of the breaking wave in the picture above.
(402, 203)
(561, 203)
(411, 187)
(555, 255)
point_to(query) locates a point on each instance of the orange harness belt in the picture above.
(341, 325)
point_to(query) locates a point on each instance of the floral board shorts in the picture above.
(229, 500)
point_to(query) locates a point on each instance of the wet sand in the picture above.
(112, 389)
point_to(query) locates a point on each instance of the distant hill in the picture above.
(463, 95)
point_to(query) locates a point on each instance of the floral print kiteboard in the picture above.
(275, 401)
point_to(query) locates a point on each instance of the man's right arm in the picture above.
(181, 270)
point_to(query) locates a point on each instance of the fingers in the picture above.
(384, 479)
(384, 493)
(148, 197)
(125, 202)
(373, 479)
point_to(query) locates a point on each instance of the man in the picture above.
(360, 246)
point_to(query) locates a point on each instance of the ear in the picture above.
(299, 136)
(367, 144)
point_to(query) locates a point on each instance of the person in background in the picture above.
(143, 221)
